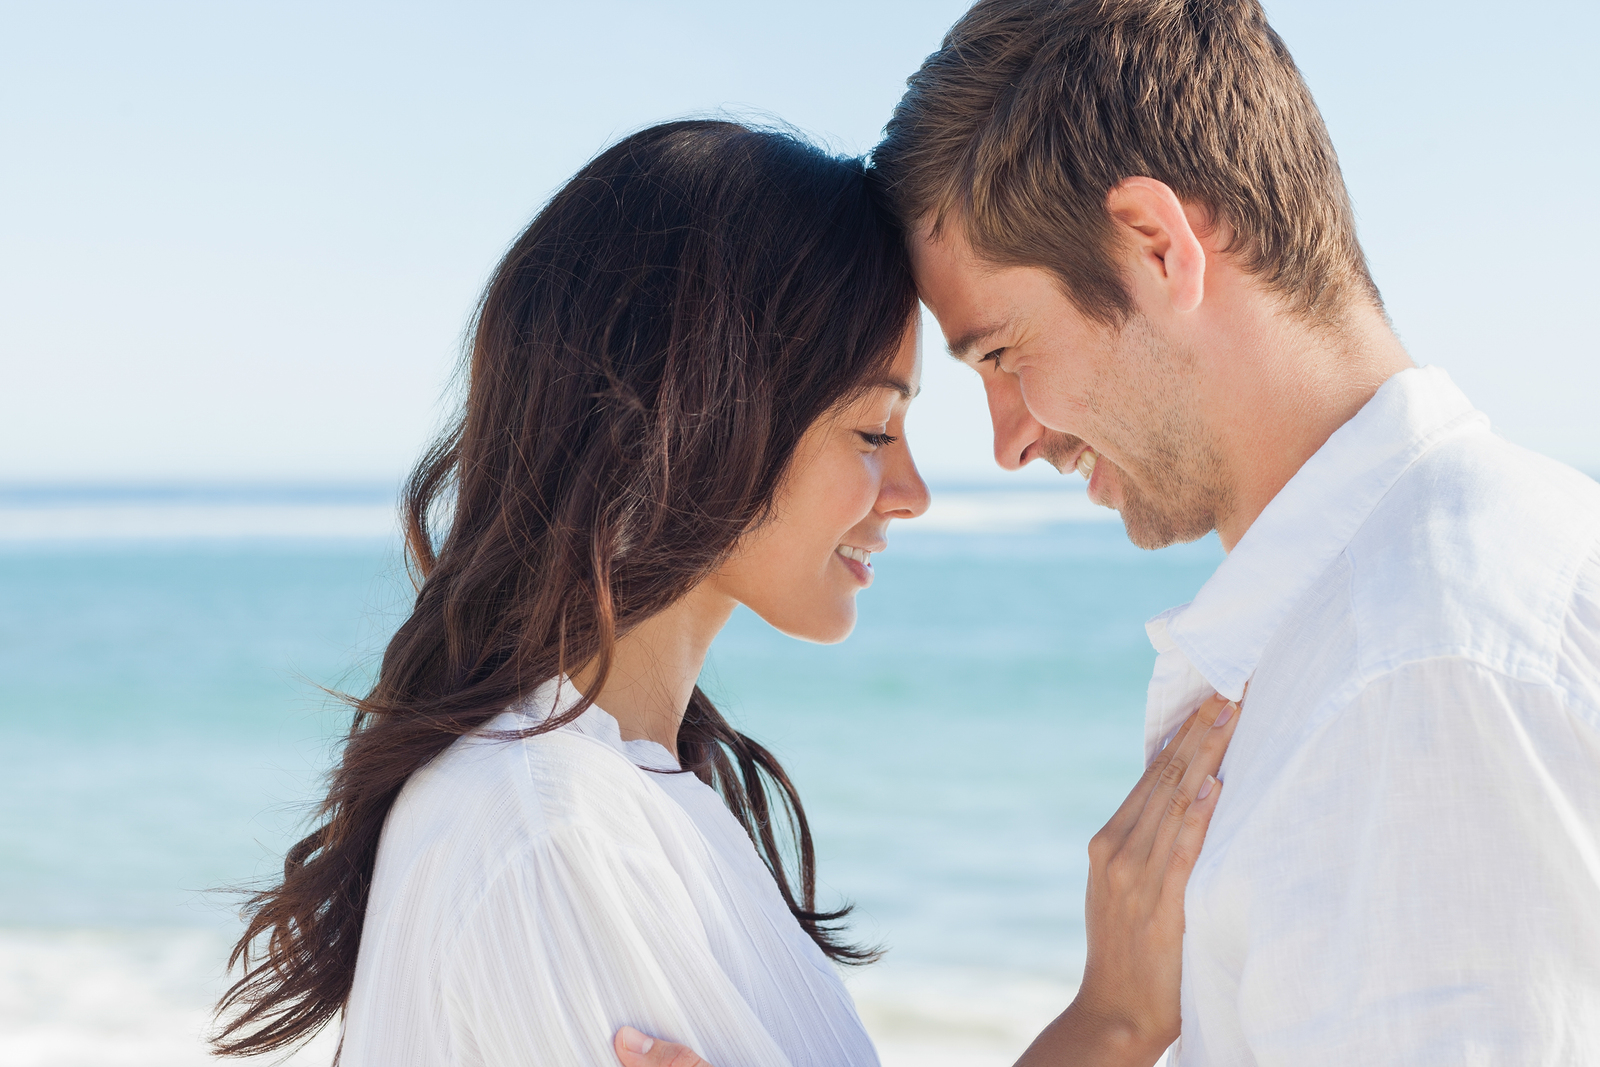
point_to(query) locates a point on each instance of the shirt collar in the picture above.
(1308, 524)
(559, 696)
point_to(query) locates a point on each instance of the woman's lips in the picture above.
(858, 561)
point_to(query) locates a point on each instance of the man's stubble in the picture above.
(1174, 484)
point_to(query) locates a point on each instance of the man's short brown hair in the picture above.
(1033, 110)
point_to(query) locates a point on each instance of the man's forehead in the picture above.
(951, 278)
(947, 244)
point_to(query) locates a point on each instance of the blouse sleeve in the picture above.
(577, 937)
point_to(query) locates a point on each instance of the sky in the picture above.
(239, 242)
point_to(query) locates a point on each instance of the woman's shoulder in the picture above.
(506, 788)
(544, 812)
(496, 805)
(502, 830)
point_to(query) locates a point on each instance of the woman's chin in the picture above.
(827, 626)
(837, 633)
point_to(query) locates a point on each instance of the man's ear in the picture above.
(1155, 226)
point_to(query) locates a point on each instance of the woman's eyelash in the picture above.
(878, 440)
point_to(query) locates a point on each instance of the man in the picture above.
(1128, 217)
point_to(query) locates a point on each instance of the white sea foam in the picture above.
(938, 1016)
(87, 520)
(103, 998)
(107, 998)
(1022, 511)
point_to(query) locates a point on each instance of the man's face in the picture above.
(1118, 404)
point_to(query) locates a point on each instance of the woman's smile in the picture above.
(858, 561)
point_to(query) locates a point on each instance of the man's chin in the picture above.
(1152, 527)
(1148, 524)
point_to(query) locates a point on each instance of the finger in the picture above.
(1205, 763)
(1191, 836)
(1119, 825)
(1169, 784)
(636, 1049)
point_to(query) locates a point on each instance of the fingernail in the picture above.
(634, 1041)
(1227, 713)
(1205, 786)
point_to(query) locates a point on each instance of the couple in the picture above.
(688, 387)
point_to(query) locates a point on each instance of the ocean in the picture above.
(165, 657)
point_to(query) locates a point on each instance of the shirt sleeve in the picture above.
(1435, 888)
(575, 939)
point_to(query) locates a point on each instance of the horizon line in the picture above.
(346, 491)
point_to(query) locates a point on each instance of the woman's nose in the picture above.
(904, 495)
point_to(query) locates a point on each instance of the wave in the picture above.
(115, 998)
(934, 1016)
(133, 517)
(142, 998)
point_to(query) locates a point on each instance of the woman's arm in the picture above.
(1126, 1010)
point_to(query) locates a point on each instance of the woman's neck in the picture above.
(655, 666)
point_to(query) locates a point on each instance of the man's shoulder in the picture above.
(1474, 552)
(1477, 490)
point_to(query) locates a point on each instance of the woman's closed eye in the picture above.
(877, 440)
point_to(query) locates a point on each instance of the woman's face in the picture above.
(851, 474)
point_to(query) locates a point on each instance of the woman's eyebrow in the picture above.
(905, 391)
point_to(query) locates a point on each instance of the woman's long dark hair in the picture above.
(644, 363)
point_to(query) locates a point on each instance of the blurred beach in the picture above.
(245, 244)
(162, 730)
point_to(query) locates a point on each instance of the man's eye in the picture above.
(878, 440)
(993, 357)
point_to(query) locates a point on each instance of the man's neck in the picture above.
(1287, 389)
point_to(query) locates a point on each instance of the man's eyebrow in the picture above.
(974, 338)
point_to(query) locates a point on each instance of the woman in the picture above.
(688, 384)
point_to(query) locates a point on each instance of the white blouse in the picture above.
(532, 896)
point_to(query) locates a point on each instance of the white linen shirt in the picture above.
(531, 896)
(1404, 867)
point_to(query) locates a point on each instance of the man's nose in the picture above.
(1017, 433)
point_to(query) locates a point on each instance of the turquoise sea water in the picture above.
(162, 729)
